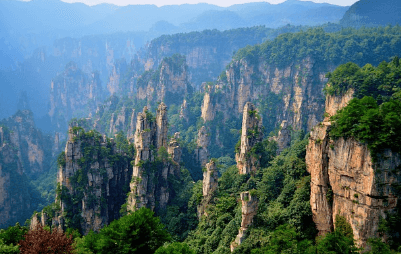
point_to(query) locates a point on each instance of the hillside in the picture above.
(372, 13)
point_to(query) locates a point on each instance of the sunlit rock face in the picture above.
(345, 181)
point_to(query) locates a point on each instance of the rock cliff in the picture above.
(252, 134)
(345, 180)
(93, 180)
(249, 210)
(156, 162)
(32, 147)
(169, 83)
(73, 94)
(209, 186)
(16, 200)
(293, 93)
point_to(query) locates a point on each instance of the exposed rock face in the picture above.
(251, 134)
(15, 197)
(203, 141)
(249, 210)
(118, 70)
(38, 219)
(120, 121)
(32, 147)
(293, 93)
(70, 93)
(345, 181)
(210, 177)
(153, 166)
(283, 137)
(210, 183)
(92, 187)
(169, 83)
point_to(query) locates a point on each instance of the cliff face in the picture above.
(72, 94)
(32, 147)
(293, 93)
(251, 135)
(345, 181)
(93, 180)
(169, 83)
(155, 162)
(15, 195)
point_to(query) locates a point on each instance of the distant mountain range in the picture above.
(26, 26)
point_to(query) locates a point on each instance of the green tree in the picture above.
(175, 248)
(138, 232)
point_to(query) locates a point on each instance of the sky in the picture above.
(223, 3)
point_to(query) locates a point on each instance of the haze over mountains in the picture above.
(234, 135)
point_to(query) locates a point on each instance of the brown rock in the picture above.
(345, 181)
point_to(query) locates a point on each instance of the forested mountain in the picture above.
(372, 13)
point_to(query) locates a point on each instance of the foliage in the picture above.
(339, 241)
(138, 232)
(175, 248)
(13, 234)
(382, 82)
(379, 126)
(361, 46)
(41, 240)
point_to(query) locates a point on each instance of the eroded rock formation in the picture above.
(155, 161)
(93, 179)
(16, 202)
(170, 83)
(251, 134)
(209, 186)
(249, 210)
(70, 93)
(202, 153)
(345, 181)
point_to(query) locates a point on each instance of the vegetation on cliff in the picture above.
(365, 45)
(372, 118)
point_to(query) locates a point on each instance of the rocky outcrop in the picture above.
(210, 177)
(155, 162)
(38, 219)
(249, 210)
(93, 180)
(202, 153)
(345, 181)
(251, 135)
(117, 71)
(284, 137)
(170, 83)
(209, 186)
(292, 93)
(32, 147)
(72, 93)
(120, 121)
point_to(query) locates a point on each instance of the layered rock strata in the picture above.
(93, 180)
(249, 210)
(345, 181)
(155, 162)
(251, 134)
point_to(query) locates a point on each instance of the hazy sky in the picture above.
(224, 3)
